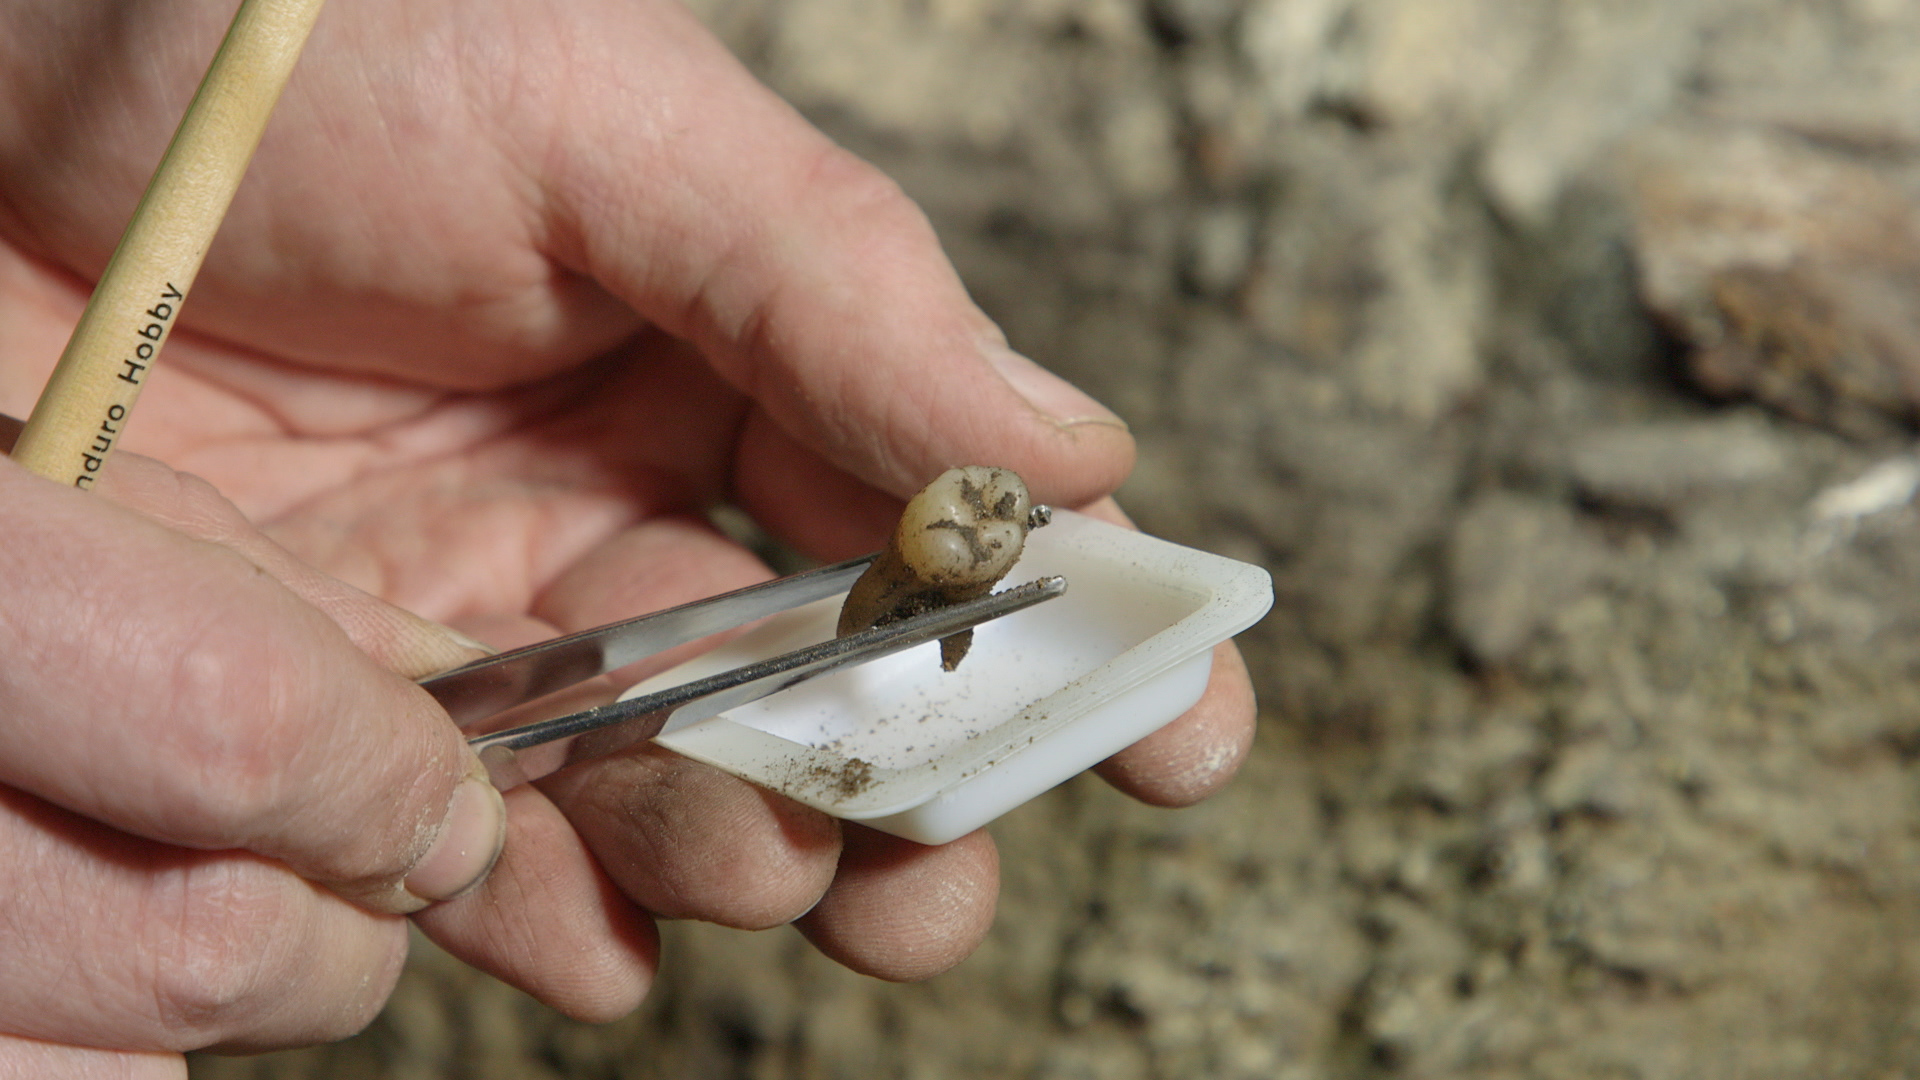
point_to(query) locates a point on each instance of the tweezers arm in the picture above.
(487, 687)
(527, 753)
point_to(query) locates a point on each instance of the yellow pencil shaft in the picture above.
(86, 403)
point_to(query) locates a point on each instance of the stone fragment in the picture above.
(1512, 562)
(1662, 464)
(1789, 269)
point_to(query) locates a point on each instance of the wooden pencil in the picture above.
(86, 403)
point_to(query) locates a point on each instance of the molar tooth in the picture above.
(956, 538)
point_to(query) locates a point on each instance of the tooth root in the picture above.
(953, 649)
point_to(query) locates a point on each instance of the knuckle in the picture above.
(228, 962)
(855, 190)
(200, 510)
(243, 717)
(244, 963)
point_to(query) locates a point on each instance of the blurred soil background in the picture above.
(1560, 358)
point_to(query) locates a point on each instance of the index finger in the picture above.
(803, 274)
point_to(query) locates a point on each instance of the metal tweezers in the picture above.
(489, 687)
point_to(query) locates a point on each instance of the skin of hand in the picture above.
(514, 291)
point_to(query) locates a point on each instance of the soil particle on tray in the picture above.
(843, 780)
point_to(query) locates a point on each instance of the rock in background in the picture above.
(1559, 359)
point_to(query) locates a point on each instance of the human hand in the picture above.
(219, 791)
(515, 291)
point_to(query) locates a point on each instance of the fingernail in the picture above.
(1054, 397)
(463, 640)
(468, 845)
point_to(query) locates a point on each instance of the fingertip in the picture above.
(467, 844)
(686, 841)
(1069, 448)
(1057, 401)
(453, 844)
(903, 911)
(549, 921)
(1197, 754)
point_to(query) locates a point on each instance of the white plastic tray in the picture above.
(904, 747)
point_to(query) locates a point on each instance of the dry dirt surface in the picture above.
(1559, 358)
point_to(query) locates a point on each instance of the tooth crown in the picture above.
(966, 527)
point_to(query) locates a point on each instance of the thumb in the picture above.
(806, 277)
(171, 688)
